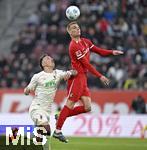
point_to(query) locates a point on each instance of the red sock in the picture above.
(62, 117)
(77, 110)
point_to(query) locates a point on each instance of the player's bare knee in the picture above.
(88, 108)
(70, 104)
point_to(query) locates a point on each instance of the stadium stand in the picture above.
(109, 24)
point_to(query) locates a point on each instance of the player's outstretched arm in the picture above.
(105, 52)
(101, 51)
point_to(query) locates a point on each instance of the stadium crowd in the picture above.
(111, 24)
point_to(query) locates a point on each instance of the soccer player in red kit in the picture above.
(79, 51)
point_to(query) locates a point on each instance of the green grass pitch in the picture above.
(86, 144)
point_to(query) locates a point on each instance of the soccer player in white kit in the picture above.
(45, 84)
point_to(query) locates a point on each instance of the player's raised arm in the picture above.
(31, 86)
(101, 51)
(104, 52)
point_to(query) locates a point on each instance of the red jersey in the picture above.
(79, 52)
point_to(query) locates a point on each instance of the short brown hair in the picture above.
(71, 23)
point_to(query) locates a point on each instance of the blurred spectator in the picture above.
(139, 105)
(34, 19)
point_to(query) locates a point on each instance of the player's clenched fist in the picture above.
(73, 72)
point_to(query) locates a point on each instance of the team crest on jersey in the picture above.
(78, 53)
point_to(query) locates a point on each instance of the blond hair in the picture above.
(71, 23)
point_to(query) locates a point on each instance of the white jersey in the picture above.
(45, 85)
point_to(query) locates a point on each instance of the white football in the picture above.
(72, 12)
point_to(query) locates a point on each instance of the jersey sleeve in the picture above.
(98, 50)
(33, 83)
(61, 74)
(89, 67)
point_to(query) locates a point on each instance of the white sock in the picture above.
(58, 131)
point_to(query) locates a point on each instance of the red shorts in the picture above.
(77, 87)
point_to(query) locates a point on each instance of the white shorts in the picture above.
(39, 116)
